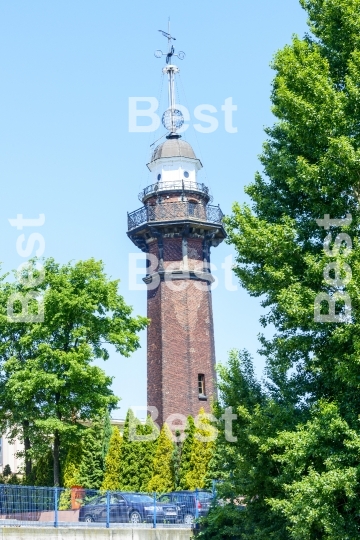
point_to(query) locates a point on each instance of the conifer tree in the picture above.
(107, 433)
(70, 474)
(217, 469)
(294, 469)
(162, 479)
(186, 453)
(72, 465)
(201, 452)
(44, 470)
(7, 471)
(91, 470)
(113, 462)
(176, 458)
(14, 480)
(137, 455)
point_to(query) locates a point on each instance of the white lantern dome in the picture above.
(174, 161)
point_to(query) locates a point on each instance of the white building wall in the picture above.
(173, 169)
(8, 455)
(9, 450)
(171, 172)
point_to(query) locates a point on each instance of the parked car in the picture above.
(187, 501)
(127, 507)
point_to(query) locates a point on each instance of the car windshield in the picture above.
(165, 499)
(116, 499)
(98, 500)
(135, 498)
(182, 498)
(205, 496)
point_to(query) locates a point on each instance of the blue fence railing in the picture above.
(37, 506)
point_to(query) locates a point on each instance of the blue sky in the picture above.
(67, 70)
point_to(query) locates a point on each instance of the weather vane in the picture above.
(172, 118)
(171, 50)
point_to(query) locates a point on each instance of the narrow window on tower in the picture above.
(194, 208)
(201, 386)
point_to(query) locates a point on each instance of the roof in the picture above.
(173, 147)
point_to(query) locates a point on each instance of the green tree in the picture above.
(137, 454)
(186, 449)
(44, 469)
(70, 474)
(13, 337)
(310, 170)
(14, 480)
(7, 471)
(201, 452)
(319, 466)
(176, 458)
(71, 468)
(162, 479)
(107, 433)
(49, 384)
(216, 469)
(113, 462)
(249, 472)
(224, 522)
(91, 470)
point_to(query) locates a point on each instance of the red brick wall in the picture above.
(154, 350)
(172, 251)
(180, 339)
(195, 253)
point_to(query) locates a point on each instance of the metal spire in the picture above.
(169, 37)
(172, 118)
(171, 50)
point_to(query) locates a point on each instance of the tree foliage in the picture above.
(320, 475)
(107, 433)
(310, 165)
(113, 462)
(176, 458)
(137, 455)
(186, 450)
(49, 383)
(249, 471)
(91, 469)
(71, 468)
(201, 452)
(216, 470)
(162, 479)
(296, 459)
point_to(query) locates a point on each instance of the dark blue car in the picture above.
(127, 507)
(190, 504)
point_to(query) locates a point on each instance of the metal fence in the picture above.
(176, 185)
(59, 507)
(174, 211)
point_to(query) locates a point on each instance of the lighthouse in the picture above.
(177, 227)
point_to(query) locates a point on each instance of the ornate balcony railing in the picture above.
(176, 185)
(174, 211)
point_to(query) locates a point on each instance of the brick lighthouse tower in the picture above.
(176, 227)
